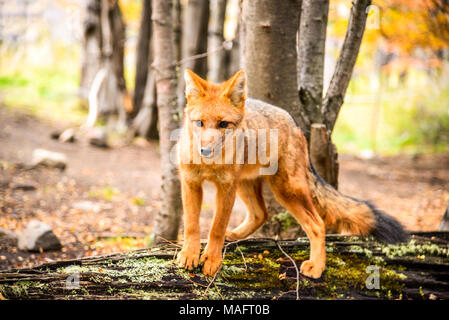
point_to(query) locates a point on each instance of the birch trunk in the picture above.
(143, 59)
(217, 58)
(168, 218)
(194, 41)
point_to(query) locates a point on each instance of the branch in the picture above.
(345, 64)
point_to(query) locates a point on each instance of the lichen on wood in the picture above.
(252, 269)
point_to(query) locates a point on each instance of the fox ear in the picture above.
(195, 86)
(235, 88)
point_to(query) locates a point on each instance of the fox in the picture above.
(214, 145)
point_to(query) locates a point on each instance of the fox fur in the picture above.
(223, 109)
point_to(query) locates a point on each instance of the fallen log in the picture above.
(357, 268)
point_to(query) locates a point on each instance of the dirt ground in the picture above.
(106, 199)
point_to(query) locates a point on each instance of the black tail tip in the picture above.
(387, 228)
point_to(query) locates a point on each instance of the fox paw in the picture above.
(188, 259)
(311, 269)
(211, 264)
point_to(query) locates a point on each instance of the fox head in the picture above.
(213, 111)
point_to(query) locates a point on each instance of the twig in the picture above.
(226, 45)
(216, 273)
(243, 257)
(294, 264)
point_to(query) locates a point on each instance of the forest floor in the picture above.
(106, 199)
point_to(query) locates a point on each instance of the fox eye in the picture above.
(199, 123)
(223, 124)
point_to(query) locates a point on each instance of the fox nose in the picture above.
(206, 151)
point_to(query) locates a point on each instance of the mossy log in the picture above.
(357, 268)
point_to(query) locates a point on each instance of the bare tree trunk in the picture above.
(168, 218)
(234, 56)
(312, 39)
(177, 27)
(143, 58)
(91, 52)
(268, 38)
(311, 48)
(217, 57)
(311, 71)
(102, 74)
(194, 41)
(269, 56)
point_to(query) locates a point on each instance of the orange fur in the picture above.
(293, 184)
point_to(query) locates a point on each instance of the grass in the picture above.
(44, 87)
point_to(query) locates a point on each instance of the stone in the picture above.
(67, 135)
(42, 157)
(37, 236)
(98, 137)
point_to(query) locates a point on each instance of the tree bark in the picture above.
(268, 39)
(92, 43)
(168, 218)
(323, 154)
(269, 54)
(252, 269)
(194, 41)
(311, 45)
(143, 59)
(217, 56)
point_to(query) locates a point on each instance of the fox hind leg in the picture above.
(299, 203)
(250, 191)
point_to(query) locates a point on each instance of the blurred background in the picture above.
(392, 132)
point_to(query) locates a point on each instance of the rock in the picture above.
(67, 135)
(38, 236)
(49, 159)
(8, 234)
(98, 137)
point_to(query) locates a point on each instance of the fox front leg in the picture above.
(192, 197)
(212, 256)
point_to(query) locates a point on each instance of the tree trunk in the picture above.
(357, 268)
(102, 74)
(323, 154)
(269, 30)
(234, 55)
(91, 51)
(143, 59)
(311, 71)
(269, 56)
(194, 41)
(312, 39)
(217, 56)
(168, 218)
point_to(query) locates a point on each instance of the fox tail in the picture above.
(345, 214)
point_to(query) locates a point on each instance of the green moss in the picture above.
(19, 290)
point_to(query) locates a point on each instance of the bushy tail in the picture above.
(345, 214)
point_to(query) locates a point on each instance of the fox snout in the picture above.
(209, 143)
(205, 151)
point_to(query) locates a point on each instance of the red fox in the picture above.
(216, 117)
